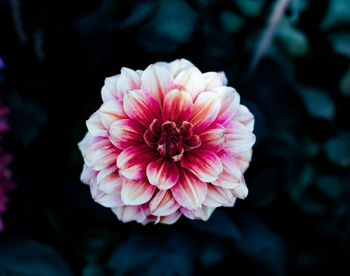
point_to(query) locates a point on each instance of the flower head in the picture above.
(167, 141)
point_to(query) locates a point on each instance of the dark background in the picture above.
(296, 218)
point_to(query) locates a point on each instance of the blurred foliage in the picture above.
(55, 55)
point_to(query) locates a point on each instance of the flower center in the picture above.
(171, 140)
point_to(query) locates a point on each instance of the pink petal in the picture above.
(128, 80)
(214, 79)
(179, 65)
(132, 162)
(213, 138)
(162, 173)
(190, 80)
(108, 179)
(157, 81)
(189, 191)
(217, 196)
(125, 133)
(129, 213)
(136, 192)
(110, 112)
(240, 191)
(90, 144)
(205, 164)
(229, 103)
(88, 175)
(205, 110)
(245, 117)
(202, 213)
(177, 106)
(231, 175)
(95, 126)
(163, 204)
(109, 200)
(243, 160)
(104, 157)
(238, 138)
(172, 218)
(141, 107)
(109, 89)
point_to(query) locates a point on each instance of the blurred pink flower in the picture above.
(6, 183)
(167, 141)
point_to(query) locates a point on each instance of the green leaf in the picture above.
(250, 7)
(344, 83)
(24, 257)
(338, 150)
(317, 103)
(341, 43)
(337, 14)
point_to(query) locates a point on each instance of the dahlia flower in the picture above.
(167, 141)
(6, 183)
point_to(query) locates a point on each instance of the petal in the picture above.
(179, 65)
(205, 164)
(109, 89)
(128, 80)
(110, 112)
(109, 200)
(213, 138)
(95, 126)
(136, 192)
(238, 138)
(245, 117)
(132, 162)
(108, 179)
(162, 173)
(214, 79)
(163, 204)
(129, 213)
(205, 110)
(240, 191)
(104, 157)
(243, 160)
(204, 213)
(231, 175)
(90, 144)
(170, 219)
(229, 103)
(141, 107)
(125, 133)
(157, 81)
(88, 175)
(218, 196)
(177, 106)
(189, 190)
(190, 80)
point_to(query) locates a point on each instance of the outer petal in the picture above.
(109, 200)
(104, 157)
(125, 133)
(108, 179)
(238, 139)
(179, 65)
(217, 196)
(241, 191)
(214, 79)
(111, 111)
(170, 219)
(95, 126)
(90, 144)
(136, 192)
(243, 160)
(177, 106)
(245, 117)
(189, 191)
(213, 138)
(129, 79)
(205, 110)
(162, 173)
(157, 81)
(202, 213)
(205, 164)
(88, 175)
(191, 80)
(132, 162)
(141, 107)
(229, 103)
(129, 213)
(163, 204)
(109, 89)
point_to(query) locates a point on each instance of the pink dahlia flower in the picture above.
(167, 141)
(6, 183)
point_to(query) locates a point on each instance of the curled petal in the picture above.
(163, 204)
(128, 80)
(202, 213)
(111, 111)
(177, 106)
(245, 117)
(205, 164)
(205, 110)
(162, 173)
(213, 79)
(192, 142)
(88, 175)
(108, 179)
(125, 133)
(132, 162)
(141, 107)
(157, 81)
(136, 192)
(217, 196)
(190, 80)
(109, 89)
(213, 138)
(238, 139)
(172, 218)
(129, 213)
(189, 191)
(241, 190)
(229, 103)
(110, 199)
(95, 126)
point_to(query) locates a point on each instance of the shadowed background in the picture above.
(296, 218)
